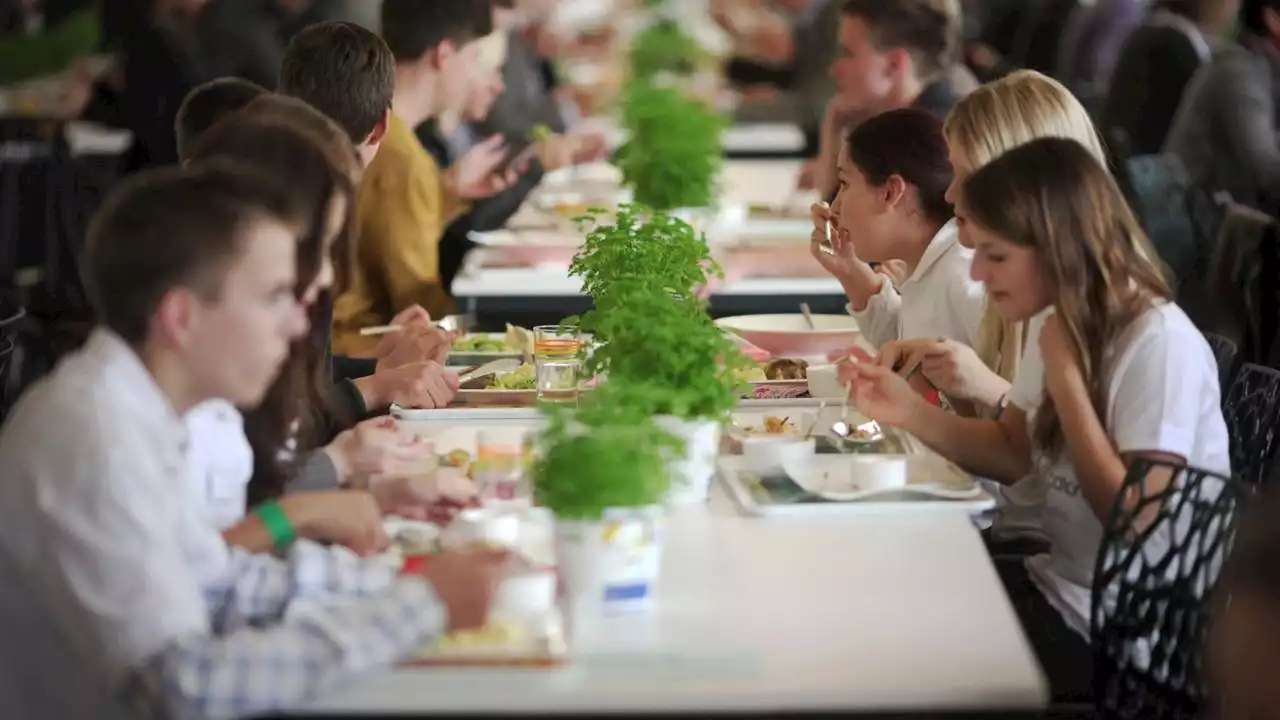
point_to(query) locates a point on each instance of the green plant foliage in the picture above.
(604, 455)
(674, 154)
(663, 48)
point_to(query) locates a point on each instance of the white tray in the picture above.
(730, 474)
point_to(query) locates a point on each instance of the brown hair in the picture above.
(928, 29)
(345, 72)
(907, 143)
(170, 228)
(205, 105)
(412, 27)
(296, 408)
(1051, 194)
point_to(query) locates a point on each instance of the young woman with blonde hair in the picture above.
(993, 120)
(1114, 371)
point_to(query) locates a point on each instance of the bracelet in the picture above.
(278, 525)
(1001, 404)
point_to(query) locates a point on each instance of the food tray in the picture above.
(546, 646)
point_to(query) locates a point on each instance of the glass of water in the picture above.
(557, 362)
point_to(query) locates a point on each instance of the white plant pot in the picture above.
(611, 564)
(691, 475)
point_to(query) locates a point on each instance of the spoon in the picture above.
(822, 405)
(826, 245)
(504, 365)
(808, 316)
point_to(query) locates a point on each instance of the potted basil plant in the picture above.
(601, 471)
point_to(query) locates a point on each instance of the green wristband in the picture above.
(278, 525)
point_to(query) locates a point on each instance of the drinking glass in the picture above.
(557, 363)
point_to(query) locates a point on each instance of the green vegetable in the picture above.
(602, 456)
(522, 378)
(674, 153)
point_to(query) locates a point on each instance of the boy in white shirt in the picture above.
(192, 273)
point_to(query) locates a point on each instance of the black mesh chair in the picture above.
(1252, 409)
(1224, 351)
(10, 321)
(1157, 565)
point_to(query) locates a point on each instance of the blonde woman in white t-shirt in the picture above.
(1125, 375)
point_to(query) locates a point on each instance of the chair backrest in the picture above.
(1252, 410)
(1224, 351)
(1162, 550)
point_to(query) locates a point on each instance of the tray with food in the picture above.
(754, 427)
(783, 378)
(525, 627)
(479, 348)
(515, 388)
(851, 484)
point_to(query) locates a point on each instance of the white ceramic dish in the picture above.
(790, 336)
(480, 525)
(524, 595)
(823, 382)
(849, 478)
(772, 454)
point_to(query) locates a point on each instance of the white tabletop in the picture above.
(555, 282)
(879, 613)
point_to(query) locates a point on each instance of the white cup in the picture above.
(824, 383)
(770, 454)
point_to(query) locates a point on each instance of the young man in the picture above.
(347, 73)
(893, 54)
(192, 272)
(209, 103)
(405, 200)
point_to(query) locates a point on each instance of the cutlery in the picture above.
(450, 323)
(490, 368)
(826, 246)
(808, 316)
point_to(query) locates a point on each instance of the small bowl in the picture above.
(774, 454)
(824, 383)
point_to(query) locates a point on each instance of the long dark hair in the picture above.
(293, 416)
(1052, 195)
(908, 143)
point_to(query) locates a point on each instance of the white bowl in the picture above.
(850, 477)
(824, 382)
(774, 454)
(790, 336)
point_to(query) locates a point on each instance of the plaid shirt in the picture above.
(284, 630)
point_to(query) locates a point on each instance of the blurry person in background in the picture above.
(893, 54)
(1156, 63)
(1244, 641)
(1227, 131)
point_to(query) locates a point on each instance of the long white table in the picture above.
(881, 613)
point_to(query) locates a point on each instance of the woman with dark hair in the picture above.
(290, 433)
(1115, 371)
(891, 204)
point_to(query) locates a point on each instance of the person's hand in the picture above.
(879, 393)
(555, 152)
(419, 385)
(589, 147)
(845, 263)
(418, 341)
(842, 112)
(773, 42)
(350, 518)
(410, 315)
(77, 90)
(981, 56)
(377, 447)
(479, 172)
(465, 583)
(1061, 368)
(950, 366)
(435, 496)
(896, 270)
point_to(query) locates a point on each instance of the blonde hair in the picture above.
(989, 122)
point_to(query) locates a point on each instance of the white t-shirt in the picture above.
(1020, 507)
(938, 300)
(1162, 396)
(219, 462)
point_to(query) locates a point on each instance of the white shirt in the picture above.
(103, 613)
(219, 462)
(938, 300)
(1162, 396)
(1020, 507)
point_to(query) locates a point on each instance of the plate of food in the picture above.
(479, 348)
(518, 387)
(782, 378)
